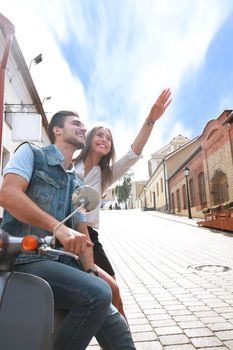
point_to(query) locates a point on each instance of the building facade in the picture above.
(210, 181)
(163, 163)
(19, 100)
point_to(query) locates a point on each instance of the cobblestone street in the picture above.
(176, 292)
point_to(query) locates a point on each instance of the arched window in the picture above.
(178, 200)
(219, 187)
(173, 204)
(192, 193)
(202, 190)
(184, 196)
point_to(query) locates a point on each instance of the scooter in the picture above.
(27, 317)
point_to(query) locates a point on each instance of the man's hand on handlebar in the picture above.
(72, 241)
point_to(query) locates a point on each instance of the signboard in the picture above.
(26, 126)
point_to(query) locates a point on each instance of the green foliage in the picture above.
(123, 191)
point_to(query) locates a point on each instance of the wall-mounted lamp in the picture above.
(36, 60)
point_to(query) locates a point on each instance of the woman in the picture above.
(97, 167)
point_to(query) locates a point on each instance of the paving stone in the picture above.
(137, 321)
(140, 328)
(217, 305)
(135, 315)
(197, 332)
(214, 348)
(220, 326)
(159, 310)
(145, 336)
(229, 344)
(174, 307)
(225, 335)
(168, 330)
(215, 319)
(206, 341)
(191, 324)
(179, 312)
(181, 318)
(163, 323)
(179, 347)
(220, 310)
(164, 316)
(152, 345)
(199, 308)
(227, 315)
(174, 339)
(209, 313)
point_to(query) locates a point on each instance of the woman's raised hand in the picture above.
(159, 107)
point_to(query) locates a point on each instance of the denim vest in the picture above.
(48, 189)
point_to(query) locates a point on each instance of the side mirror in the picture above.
(86, 197)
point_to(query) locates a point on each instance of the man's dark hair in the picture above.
(58, 120)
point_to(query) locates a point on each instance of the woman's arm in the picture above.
(131, 157)
(156, 112)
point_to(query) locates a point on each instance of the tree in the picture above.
(123, 191)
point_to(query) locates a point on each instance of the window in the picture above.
(161, 185)
(157, 186)
(202, 190)
(192, 193)
(184, 196)
(178, 200)
(173, 204)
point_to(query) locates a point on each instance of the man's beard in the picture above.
(76, 143)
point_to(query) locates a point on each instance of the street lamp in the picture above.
(46, 99)
(186, 174)
(36, 60)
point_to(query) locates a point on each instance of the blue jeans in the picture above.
(88, 300)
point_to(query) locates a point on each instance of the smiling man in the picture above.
(36, 194)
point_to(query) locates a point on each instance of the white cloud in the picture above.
(52, 77)
(139, 47)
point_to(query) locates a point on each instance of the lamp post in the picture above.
(186, 174)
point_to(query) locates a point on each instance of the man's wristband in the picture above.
(93, 270)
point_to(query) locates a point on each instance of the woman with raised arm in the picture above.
(96, 166)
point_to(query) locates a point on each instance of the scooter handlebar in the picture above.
(11, 246)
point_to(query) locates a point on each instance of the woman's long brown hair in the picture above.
(105, 161)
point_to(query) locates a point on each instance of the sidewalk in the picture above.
(176, 218)
(176, 280)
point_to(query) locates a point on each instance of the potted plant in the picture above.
(217, 207)
(205, 210)
(228, 204)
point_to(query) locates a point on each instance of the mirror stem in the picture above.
(62, 222)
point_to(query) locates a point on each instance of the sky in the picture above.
(109, 60)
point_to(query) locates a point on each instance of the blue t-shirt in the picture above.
(22, 164)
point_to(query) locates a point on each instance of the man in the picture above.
(36, 194)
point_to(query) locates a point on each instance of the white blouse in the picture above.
(93, 178)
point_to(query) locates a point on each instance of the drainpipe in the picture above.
(165, 184)
(9, 31)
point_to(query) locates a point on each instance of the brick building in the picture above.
(211, 169)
